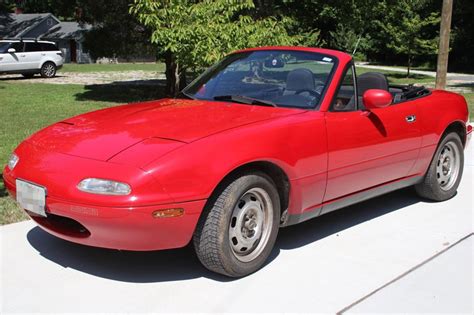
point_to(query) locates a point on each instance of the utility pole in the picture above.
(443, 49)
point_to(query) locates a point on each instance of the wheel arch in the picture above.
(458, 127)
(46, 61)
(272, 170)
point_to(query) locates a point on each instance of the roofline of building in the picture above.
(48, 15)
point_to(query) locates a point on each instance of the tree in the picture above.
(115, 32)
(462, 55)
(408, 32)
(194, 34)
(443, 53)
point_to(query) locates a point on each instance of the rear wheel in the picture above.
(236, 234)
(48, 70)
(444, 174)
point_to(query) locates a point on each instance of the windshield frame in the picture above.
(227, 60)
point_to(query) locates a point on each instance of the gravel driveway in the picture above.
(87, 78)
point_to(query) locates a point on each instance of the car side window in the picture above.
(18, 46)
(345, 99)
(31, 47)
(48, 47)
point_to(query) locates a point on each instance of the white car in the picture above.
(29, 57)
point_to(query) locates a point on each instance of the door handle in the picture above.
(22, 55)
(410, 118)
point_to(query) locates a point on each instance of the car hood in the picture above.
(104, 133)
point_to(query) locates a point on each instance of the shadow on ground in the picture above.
(124, 91)
(22, 78)
(3, 189)
(182, 264)
(400, 75)
(467, 85)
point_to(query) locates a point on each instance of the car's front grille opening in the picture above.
(63, 225)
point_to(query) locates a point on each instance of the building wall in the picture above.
(65, 47)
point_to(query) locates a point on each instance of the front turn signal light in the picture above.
(168, 213)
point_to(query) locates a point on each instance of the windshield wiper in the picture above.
(244, 100)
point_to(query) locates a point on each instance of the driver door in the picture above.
(367, 150)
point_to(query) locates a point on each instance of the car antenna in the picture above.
(356, 45)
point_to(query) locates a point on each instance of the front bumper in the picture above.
(119, 222)
(126, 228)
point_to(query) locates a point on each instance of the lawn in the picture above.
(28, 107)
(470, 102)
(399, 77)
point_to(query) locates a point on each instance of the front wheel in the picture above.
(445, 171)
(48, 70)
(237, 231)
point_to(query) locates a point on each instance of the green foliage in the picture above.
(198, 33)
(346, 39)
(461, 58)
(408, 31)
(116, 33)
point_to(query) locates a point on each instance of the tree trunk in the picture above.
(443, 51)
(175, 76)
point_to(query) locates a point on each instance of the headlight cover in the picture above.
(103, 187)
(13, 161)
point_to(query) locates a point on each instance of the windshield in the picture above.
(278, 77)
(4, 47)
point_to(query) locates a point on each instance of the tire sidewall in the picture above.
(440, 193)
(42, 70)
(245, 183)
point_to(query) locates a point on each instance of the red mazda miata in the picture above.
(266, 138)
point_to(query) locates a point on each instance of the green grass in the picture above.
(470, 103)
(70, 67)
(399, 77)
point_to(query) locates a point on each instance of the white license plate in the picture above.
(31, 197)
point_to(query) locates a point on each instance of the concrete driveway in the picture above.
(395, 253)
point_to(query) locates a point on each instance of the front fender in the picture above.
(297, 144)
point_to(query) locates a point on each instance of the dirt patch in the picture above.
(88, 78)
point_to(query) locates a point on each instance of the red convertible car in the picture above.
(266, 138)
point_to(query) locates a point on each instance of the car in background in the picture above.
(29, 57)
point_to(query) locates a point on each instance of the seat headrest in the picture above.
(371, 80)
(300, 79)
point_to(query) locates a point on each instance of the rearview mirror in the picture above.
(274, 63)
(376, 99)
(11, 50)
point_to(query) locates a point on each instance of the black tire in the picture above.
(212, 241)
(28, 75)
(431, 187)
(48, 70)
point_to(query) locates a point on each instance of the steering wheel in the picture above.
(310, 91)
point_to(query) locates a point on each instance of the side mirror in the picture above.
(376, 99)
(11, 50)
